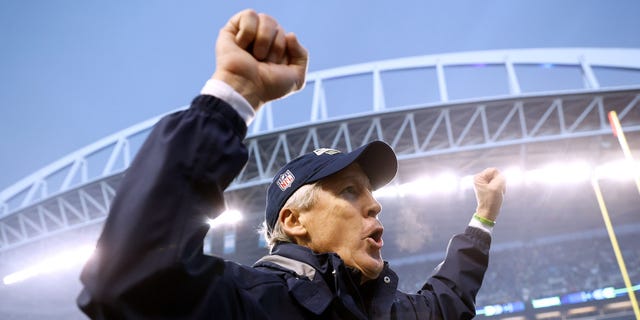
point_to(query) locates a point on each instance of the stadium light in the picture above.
(466, 182)
(561, 173)
(78, 256)
(419, 186)
(514, 176)
(445, 182)
(618, 170)
(229, 217)
(389, 191)
(614, 120)
(65, 260)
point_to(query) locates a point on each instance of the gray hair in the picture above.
(302, 199)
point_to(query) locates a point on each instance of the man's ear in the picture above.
(291, 224)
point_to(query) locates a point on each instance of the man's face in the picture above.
(344, 220)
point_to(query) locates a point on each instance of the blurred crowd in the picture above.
(543, 269)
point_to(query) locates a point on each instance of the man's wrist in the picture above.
(482, 223)
(483, 220)
(225, 92)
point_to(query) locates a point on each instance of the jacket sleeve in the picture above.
(148, 261)
(450, 292)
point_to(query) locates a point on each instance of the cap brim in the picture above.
(377, 160)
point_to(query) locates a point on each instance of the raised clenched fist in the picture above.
(256, 57)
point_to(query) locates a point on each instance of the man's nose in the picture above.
(373, 206)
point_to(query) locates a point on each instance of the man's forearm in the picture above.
(161, 207)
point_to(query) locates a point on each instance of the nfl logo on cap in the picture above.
(285, 180)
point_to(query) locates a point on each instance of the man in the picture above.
(321, 217)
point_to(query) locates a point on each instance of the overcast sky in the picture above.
(72, 72)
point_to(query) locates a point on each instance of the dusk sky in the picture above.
(72, 72)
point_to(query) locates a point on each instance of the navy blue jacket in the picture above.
(149, 262)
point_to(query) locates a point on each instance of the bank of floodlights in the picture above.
(552, 174)
(72, 258)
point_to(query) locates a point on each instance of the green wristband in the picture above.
(484, 221)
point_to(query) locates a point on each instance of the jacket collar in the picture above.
(319, 261)
(326, 276)
(307, 283)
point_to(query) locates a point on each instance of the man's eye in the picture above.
(350, 190)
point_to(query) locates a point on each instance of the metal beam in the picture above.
(36, 206)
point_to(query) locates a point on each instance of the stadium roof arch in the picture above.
(76, 190)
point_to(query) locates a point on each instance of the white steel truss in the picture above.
(451, 128)
(413, 133)
(36, 207)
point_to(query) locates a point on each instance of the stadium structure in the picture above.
(540, 115)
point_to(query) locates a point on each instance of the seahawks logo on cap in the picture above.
(325, 150)
(286, 180)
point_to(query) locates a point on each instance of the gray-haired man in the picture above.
(321, 216)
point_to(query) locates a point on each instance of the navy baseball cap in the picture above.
(377, 160)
